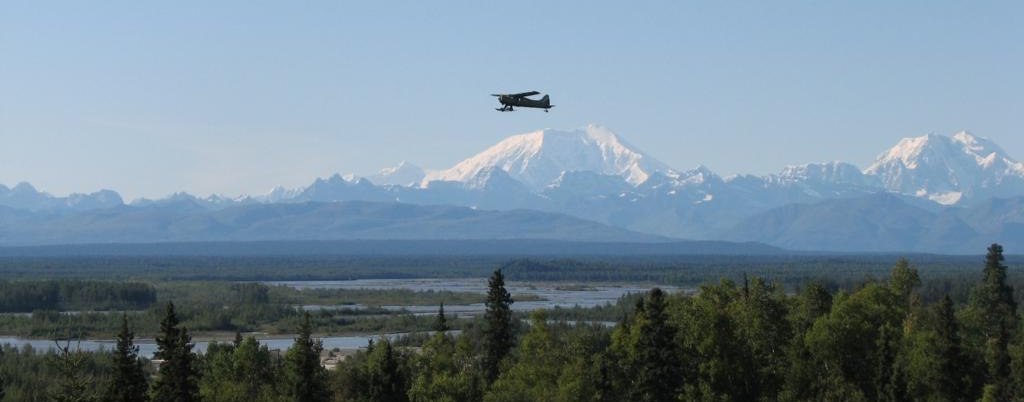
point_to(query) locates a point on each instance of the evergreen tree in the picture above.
(1017, 364)
(657, 377)
(992, 312)
(178, 378)
(498, 337)
(74, 383)
(992, 299)
(997, 359)
(953, 380)
(307, 378)
(128, 382)
(442, 322)
(647, 353)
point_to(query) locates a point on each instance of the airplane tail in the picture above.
(546, 100)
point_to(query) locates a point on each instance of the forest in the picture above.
(67, 295)
(886, 338)
(91, 308)
(680, 270)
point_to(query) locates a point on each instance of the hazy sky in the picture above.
(236, 97)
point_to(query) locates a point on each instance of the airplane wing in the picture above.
(524, 94)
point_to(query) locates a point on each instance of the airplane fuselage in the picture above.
(510, 101)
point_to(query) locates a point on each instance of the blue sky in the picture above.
(236, 97)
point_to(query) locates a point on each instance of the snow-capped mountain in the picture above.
(278, 194)
(948, 170)
(405, 174)
(830, 172)
(210, 202)
(341, 188)
(24, 196)
(931, 187)
(539, 158)
(822, 180)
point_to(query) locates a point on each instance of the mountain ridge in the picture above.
(186, 221)
(595, 175)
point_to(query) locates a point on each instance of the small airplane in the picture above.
(522, 100)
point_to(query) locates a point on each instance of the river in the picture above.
(147, 347)
(550, 295)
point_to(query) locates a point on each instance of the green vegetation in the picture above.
(177, 380)
(897, 337)
(682, 270)
(33, 376)
(497, 335)
(240, 371)
(128, 381)
(24, 296)
(306, 379)
(27, 296)
(222, 307)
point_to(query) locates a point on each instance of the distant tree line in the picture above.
(69, 294)
(684, 270)
(214, 306)
(745, 340)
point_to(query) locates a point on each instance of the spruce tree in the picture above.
(178, 377)
(498, 337)
(951, 382)
(997, 359)
(75, 384)
(307, 379)
(442, 322)
(993, 312)
(655, 366)
(992, 299)
(128, 382)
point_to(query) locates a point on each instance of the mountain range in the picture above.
(933, 193)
